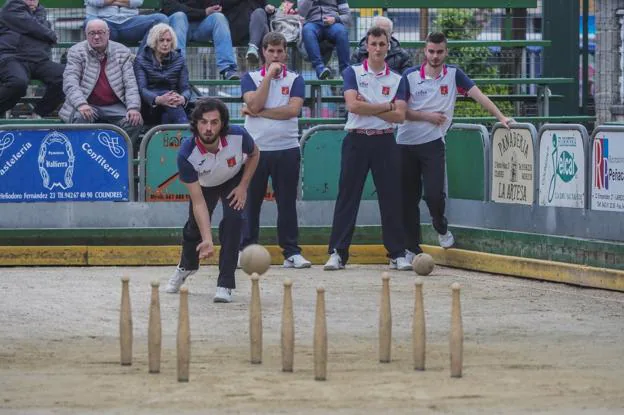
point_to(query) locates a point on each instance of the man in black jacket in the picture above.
(397, 59)
(202, 21)
(26, 39)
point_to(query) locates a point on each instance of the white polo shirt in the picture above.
(196, 163)
(376, 88)
(271, 135)
(431, 95)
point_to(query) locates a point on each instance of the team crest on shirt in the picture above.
(385, 90)
(231, 162)
(444, 89)
(285, 90)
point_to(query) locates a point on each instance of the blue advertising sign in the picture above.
(63, 164)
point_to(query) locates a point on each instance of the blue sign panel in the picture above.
(51, 165)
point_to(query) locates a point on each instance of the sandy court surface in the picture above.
(529, 346)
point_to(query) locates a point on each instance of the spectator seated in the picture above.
(398, 59)
(26, 39)
(162, 77)
(325, 21)
(99, 83)
(124, 21)
(191, 20)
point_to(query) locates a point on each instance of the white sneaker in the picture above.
(177, 279)
(252, 55)
(400, 264)
(334, 262)
(223, 295)
(409, 256)
(446, 240)
(297, 261)
(238, 264)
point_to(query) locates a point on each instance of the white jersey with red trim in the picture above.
(195, 163)
(375, 88)
(431, 95)
(270, 134)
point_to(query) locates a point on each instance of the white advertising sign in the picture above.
(512, 166)
(608, 171)
(562, 169)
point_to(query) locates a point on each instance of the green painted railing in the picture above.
(356, 4)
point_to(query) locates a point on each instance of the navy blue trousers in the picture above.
(15, 75)
(229, 233)
(283, 167)
(423, 166)
(380, 155)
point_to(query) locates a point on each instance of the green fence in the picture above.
(466, 161)
(320, 165)
(159, 169)
(466, 151)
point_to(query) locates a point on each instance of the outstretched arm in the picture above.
(202, 217)
(476, 94)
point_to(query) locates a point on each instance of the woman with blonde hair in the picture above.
(162, 77)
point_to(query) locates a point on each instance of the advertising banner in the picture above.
(562, 168)
(63, 164)
(608, 171)
(512, 166)
(161, 167)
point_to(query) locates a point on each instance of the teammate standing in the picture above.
(431, 91)
(273, 98)
(375, 99)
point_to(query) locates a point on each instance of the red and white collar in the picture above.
(284, 71)
(384, 72)
(202, 148)
(423, 75)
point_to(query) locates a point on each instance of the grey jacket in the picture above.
(82, 72)
(315, 10)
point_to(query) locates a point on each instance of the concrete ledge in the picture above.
(135, 255)
(604, 278)
(43, 255)
(585, 276)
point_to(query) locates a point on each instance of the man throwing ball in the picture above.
(217, 163)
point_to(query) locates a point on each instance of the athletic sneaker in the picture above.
(177, 279)
(297, 261)
(400, 264)
(230, 75)
(324, 73)
(252, 55)
(238, 264)
(334, 262)
(223, 295)
(409, 255)
(446, 240)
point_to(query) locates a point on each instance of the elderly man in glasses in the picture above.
(99, 83)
